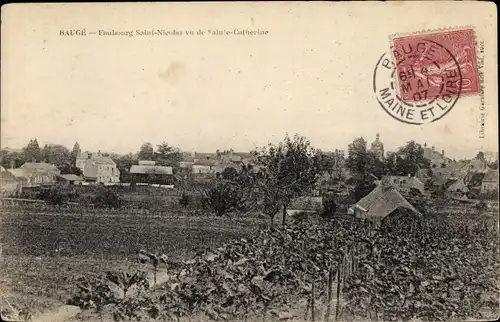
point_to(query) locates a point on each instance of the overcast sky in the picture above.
(312, 75)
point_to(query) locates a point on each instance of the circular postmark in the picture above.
(419, 82)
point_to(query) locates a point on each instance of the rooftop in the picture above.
(150, 169)
(491, 176)
(70, 177)
(39, 166)
(306, 203)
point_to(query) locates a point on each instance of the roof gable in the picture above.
(382, 201)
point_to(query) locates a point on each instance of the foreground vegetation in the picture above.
(436, 268)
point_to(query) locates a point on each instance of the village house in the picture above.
(458, 188)
(32, 174)
(207, 166)
(200, 156)
(424, 175)
(9, 184)
(405, 183)
(100, 169)
(381, 202)
(40, 166)
(306, 205)
(490, 181)
(452, 171)
(69, 179)
(478, 164)
(81, 159)
(184, 171)
(437, 159)
(149, 172)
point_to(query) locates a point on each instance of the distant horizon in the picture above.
(42, 143)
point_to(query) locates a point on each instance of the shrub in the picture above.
(56, 195)
(329, 206)
(105, 197)
(222, 198)
(489, 195)
(363, 186)
(185, 200)
(481, 206)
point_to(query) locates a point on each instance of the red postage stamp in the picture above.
(439, 65)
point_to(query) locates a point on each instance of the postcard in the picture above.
(249, 161)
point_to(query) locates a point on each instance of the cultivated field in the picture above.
(235, 267)
(45, 252)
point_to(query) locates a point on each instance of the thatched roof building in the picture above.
(381, 202)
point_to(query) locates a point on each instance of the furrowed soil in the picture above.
(43, 253)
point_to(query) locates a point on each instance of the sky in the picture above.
(312, 74)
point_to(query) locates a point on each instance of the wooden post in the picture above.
(313, 313)
(337, 308)
(284, 216)
(330, 295)
(307, 309)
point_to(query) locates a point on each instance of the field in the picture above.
(44, 252)
(440, 267)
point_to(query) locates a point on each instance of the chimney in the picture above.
(442, 152)
(433, 148)
(12, 164)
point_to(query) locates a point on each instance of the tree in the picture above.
(361, 162)
(106, 198)
(146, 152)
(46, 153)
(357, 159)
(327, 162)
(59, 156)
(70, 169)
(329, 205)
(12, 159)
(229, 173)
(287, 170)
(410, 159)
(75, 152)
(338, 166)
(123, 164)
(391, 162)
(222, 198)
(32, 152)
(407, 160)
(167, 155)
(363, 185)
